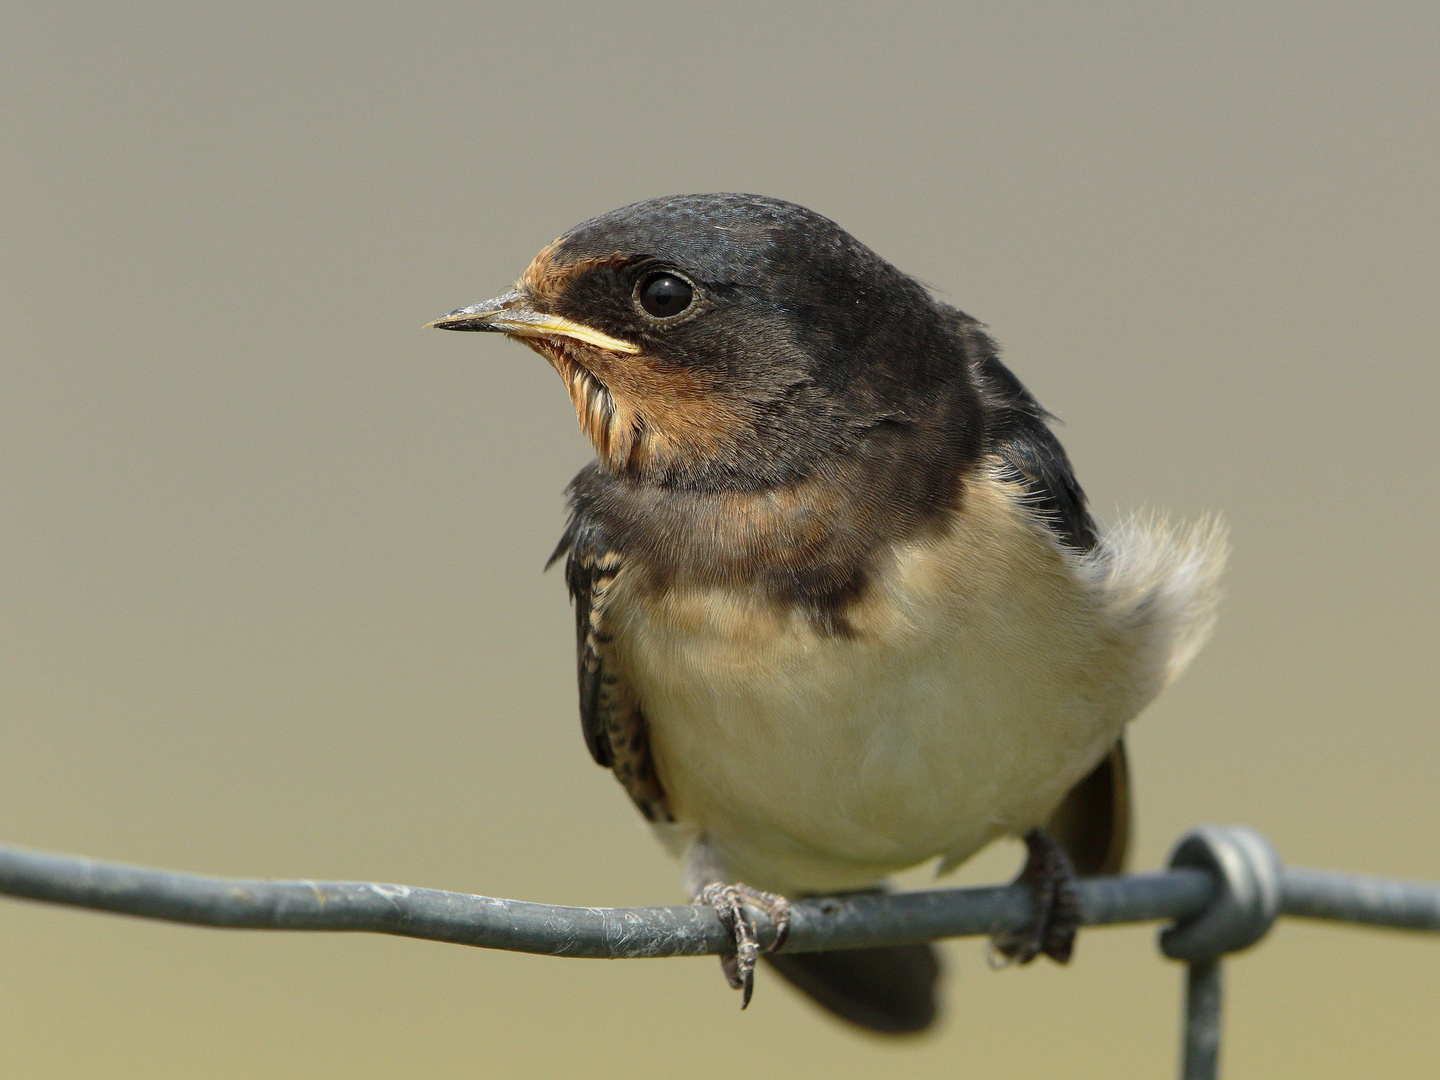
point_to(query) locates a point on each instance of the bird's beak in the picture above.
(510, 314)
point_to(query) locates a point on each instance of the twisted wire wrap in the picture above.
(1249, 883)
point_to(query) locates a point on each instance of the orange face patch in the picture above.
(640, 413)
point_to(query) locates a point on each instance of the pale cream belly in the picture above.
(981, 682)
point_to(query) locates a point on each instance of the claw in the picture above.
(1050, 877)
(729, 902)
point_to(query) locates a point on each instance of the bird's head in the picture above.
(727, 341)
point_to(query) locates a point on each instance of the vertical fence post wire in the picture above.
(1248, 884)
(1200, 1056)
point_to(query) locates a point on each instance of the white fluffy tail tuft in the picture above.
(1159, 584)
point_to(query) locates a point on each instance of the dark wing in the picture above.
(610, 717)
(1018, 431)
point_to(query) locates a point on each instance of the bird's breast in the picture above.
(976, 680)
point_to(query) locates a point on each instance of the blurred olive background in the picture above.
(270, 553)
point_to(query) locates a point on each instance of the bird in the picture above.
(841, 607)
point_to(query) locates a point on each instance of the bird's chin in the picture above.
(612, 429)
(646, 420)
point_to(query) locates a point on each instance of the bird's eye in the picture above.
(664, 295)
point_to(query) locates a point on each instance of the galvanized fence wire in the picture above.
(1223, 890)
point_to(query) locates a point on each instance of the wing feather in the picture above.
(611, 719)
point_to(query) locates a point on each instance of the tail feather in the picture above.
(890, 990)
(1093, 822)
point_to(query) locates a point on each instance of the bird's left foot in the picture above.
(729, 902)
(1054, 910)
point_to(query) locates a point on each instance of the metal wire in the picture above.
(1200, 1052)
(613, 933)
(1220, 895)
(1356, 898)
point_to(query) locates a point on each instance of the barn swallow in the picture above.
(840, 606)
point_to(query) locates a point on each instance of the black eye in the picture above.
(664, 295)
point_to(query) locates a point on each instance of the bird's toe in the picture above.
(1054, 909)
(730, 902)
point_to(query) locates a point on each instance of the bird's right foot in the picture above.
(729, 902)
